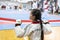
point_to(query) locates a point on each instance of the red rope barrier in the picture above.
(13, 20)
(7, 19)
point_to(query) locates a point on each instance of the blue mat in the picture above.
(23, 15)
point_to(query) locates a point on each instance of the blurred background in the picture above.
(50, 5)
(20, 9)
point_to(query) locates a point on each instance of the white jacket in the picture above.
(35, 28)
(34, 6)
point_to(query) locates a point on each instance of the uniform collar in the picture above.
(37, 22)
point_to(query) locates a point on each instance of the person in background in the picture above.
(3, 7)
(57, 8)
(15, 7)
(34, 5)
(54, 8)
(33, 30)
(40, 5)
(20, 7)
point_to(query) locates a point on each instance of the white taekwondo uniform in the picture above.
(33, 27)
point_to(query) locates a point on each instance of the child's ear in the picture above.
(34, 17)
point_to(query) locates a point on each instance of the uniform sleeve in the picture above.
(47, 28)
(19, 31)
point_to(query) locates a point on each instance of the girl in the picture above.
(33, 30)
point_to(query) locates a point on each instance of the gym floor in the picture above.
(10, 35)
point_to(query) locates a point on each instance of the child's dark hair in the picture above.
(37, 14)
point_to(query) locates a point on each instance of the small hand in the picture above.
(18, 21)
